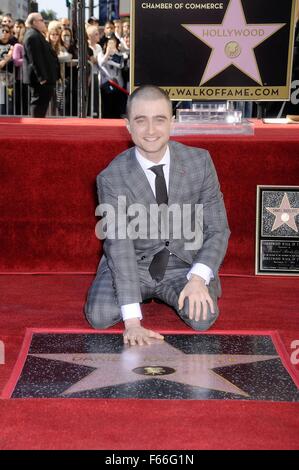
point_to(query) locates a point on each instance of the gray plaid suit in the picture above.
(123, 276)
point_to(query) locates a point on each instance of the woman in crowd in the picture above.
(21, 89)
(108, 32)
(93, 34)
(111, 63)
(71, 72)
(19, 30)
(6, 76)
(53, 36)
(126, 27)
(126, 56)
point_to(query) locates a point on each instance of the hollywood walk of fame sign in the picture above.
(214, 50)
(277, 230)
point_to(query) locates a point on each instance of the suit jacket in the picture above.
(192, 179)
(40, 60)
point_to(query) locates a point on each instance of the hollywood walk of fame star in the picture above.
(232, 42)
(284, 214)
(189, 369)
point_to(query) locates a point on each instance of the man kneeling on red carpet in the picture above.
(164, 226)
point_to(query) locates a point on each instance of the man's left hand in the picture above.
(199, 298)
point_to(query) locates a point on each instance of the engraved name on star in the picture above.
(189, 369)
(284, 214)
(233, 42)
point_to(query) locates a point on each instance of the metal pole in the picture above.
(91, 8)
(74, 20)
(82, 59)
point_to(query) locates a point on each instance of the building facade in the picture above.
(18, 8)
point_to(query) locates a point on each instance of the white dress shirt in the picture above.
(133, 310)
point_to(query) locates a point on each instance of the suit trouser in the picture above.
(102, 309)
(40, 98)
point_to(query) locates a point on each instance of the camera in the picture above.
(116, 58)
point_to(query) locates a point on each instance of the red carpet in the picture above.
(248, 303)
(47, 202)
(108, 424)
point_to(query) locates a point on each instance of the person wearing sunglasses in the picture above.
(5, 48)
(5, 71)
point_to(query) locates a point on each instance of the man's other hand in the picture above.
(135, 334)
(199, 298)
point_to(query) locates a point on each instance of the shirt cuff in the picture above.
(131, 311)
(203, 271)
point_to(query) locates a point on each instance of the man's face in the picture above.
(39, 24)
(149, 124)
(65, 23)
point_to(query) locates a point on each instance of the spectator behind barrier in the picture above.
(40, 66)
(111, 63)
(6, 77)
(21, 89)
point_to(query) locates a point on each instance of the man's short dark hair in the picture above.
(148, 92)
(20, 21)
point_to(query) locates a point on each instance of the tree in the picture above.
(49, 15)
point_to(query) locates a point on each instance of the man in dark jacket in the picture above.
(40, 66)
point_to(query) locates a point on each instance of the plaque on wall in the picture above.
(277, 230)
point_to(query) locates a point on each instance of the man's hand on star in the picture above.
(135, 334)
(199, 298)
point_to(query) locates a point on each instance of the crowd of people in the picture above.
(39, 67)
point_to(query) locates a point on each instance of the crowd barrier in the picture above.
(15, 95)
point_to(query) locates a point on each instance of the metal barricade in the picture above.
(6, 92)
(15, 96)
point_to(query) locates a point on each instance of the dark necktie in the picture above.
(159, 263)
